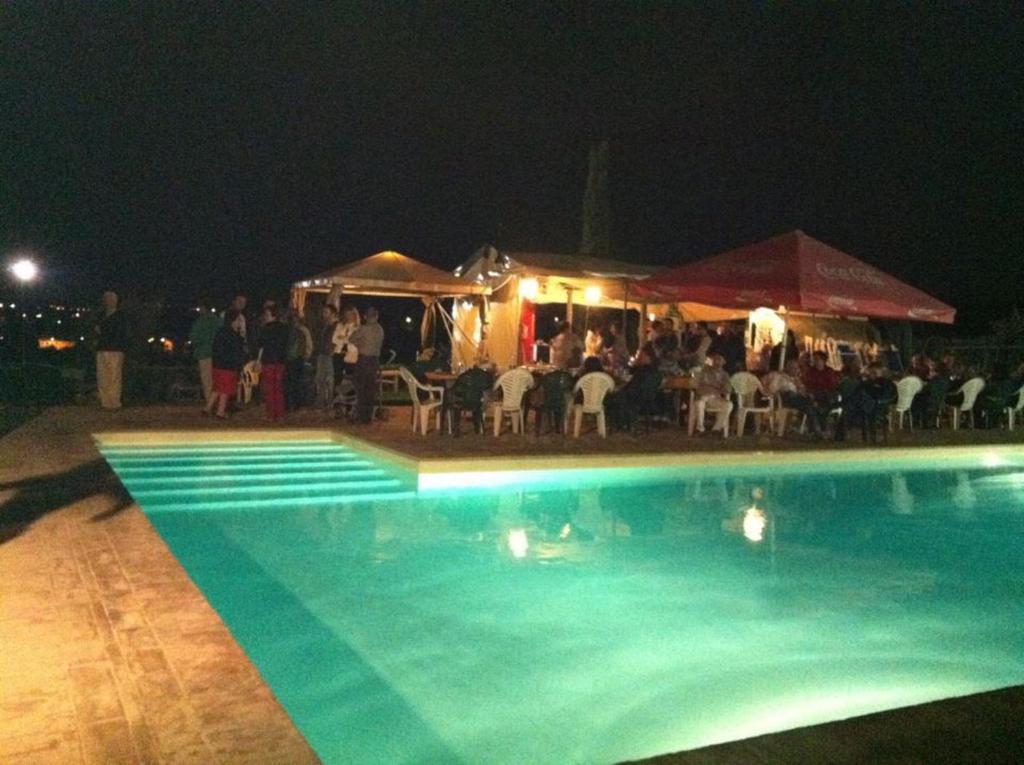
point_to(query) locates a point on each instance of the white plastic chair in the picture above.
(345, 395)
(906, 390)
(1014, 409)
(747, 387)
(595, 386)
(514, 384)
(248, 380)
(421, 409)
(970, 391)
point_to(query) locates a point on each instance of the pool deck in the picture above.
(110, 654)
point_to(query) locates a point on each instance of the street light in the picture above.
(25, 271)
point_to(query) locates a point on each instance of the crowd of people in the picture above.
(278, 351)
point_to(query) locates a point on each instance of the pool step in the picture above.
(275, 503)
(159, 451)
(157, 496)
(233, 478)
(235, 468)
(230, 459)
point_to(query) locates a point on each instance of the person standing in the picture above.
(111, 343)
(228, 358)
(368, 339)
(200, 336)
(300, 350)
(344, 351)
(618, 351)
(593, 343)
(272, 342)
(325, 356)
(238, 303)
(565, 347)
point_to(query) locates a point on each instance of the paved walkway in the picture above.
(108, 651)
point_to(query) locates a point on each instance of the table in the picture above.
(676, 384)
(438, 376)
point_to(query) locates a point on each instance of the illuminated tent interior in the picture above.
(502, 325)
(390, 274)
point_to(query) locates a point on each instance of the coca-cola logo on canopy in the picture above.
(742, 267)
(916, 312)
(853, 274)
(753, 297)
(842, 303)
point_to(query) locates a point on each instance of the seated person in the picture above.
(821, 383)
(713, 387)
(870, 400)
(789, 387)
(624, 404)
(995, 397)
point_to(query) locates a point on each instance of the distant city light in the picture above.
(24, 270)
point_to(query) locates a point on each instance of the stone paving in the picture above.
(108, 652)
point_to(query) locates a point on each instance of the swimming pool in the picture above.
(591, 620)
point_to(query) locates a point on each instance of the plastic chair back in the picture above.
(469, 388)
(971, 389)
(1017, 405)
(937, 391)
(514, 383)
(556, 386)
(595, 386)
(906, 390)
(650, 389)
(746, 387)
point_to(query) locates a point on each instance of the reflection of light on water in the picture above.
(518, 544)
(565, 532)
(824, 707)
(902, 499)
(753, 524)
(993, 460)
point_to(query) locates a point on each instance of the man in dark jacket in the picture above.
(111, 343)
(272, 342)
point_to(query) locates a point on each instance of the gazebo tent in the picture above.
(389, 274)
(517, 281)
(800, 273)
(794, 274)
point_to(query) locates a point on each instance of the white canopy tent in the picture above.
(391, 274)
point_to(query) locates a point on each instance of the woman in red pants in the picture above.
(272, 342)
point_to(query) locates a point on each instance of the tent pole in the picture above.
(785, 336)
(625, 307)
(568, 304)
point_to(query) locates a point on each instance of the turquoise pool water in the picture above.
(589, 623)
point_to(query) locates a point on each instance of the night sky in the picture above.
(194, 147)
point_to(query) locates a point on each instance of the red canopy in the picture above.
(796, 271)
